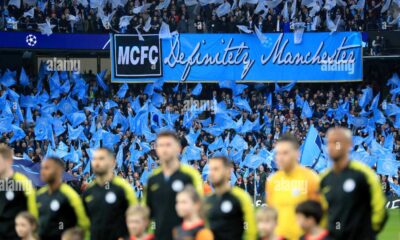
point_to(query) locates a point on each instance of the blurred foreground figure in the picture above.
(289, 186)
(356, 204)
(229, 210)
(60, 207)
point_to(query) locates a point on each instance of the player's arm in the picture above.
(378, 201)
(77, 205)
(250, 228)
(313, 187)
(268, 190)
(30, 194)
(130, 194)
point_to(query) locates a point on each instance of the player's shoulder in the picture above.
(309, 173)
(276, 175)
(42, 190)
(156, 172)
(68, 191)
(240, 194)
(363, 169)
(189, 170)
(23, 180)
(324, 174)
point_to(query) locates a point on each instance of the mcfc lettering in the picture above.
(137, 55)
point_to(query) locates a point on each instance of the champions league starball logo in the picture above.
(31, 40)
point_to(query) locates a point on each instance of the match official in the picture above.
(229, 210)
(164, 184)
(16, 194)
(60, 207)
(289, 186)
(107, 198)
(356, 204)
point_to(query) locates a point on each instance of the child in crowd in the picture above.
(266, 218)
(26, 226)
(309, 215)
(189, 207)
(137, 220)
(73, 234)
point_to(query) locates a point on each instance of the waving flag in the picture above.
(23, 78)
(306, 111)
(312, 148)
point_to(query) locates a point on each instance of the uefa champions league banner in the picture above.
(320, 57)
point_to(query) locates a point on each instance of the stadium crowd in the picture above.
(192, 16)
(69, 115)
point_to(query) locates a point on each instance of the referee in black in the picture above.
(165, 182)
(229, 210)
(107, 198)
(60, 207)
(356, 204)
(16, 194)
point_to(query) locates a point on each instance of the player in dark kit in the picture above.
(166, 182)
(229, 210)
(107, 198)
(356, 204)
(16, 195)
(60, 207)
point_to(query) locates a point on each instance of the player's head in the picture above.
(137, 219)
(168, 146)
(287, 152)
(267, 219)
(103, 161)
(25, 225)
(52, 169)
(74, 233)
(188, 202)
(6, 158)
(219, 170)
(309, 214)
(339, 143)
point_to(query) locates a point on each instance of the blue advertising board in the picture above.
(320, 57)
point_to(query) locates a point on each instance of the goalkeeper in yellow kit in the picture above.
(289, 186)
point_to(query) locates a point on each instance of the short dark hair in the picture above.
(310, 208)
(56, 160)
(109, 151)
(287, 137)
(225, 161)
(170, 134)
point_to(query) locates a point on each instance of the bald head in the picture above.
(339, 142)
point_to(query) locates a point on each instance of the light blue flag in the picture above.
(191, 138)
(74, 134)
(215, 131)
(72, 156)
(197, 90)
(233, 178)
(65, 87)
(357, 121)
(392, 109)
(144, 176)
(157, 99)
(205, 172)
(54, 83)
(7, 79)
(40, 130)
(253, 161)
(12, 95)
(394, 81)
(100, 80)
(120, 156)
(110, 104)
(375, 102)
(386, 165)
(145, 147)
(191, 153)
(379, 117)
(77, 118)
(286, 88)
(5, 124)
(238, 143)
(306, 112)
(217, 144)
(149, 89)
(395, 188)
(26, 157)
(366, 97)
(312, 148)
(299, 101)
(28, 101)
(19, 112)
(397, 122)
(77, 166)
(120, 119)
(58, 126)
(29, 118)
(68, 106)
(242, 104)
(87, 168)
(23, 78)
(122, 90)
(110, 139)
(389, 141)
(18, 134)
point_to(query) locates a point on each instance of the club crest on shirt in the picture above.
(177, 185)
(54, 205)
(349, 185)
(226, 206)
(111, 197)
(10, 195)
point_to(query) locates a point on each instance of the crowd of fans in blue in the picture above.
(70, 114)
(204, 16)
